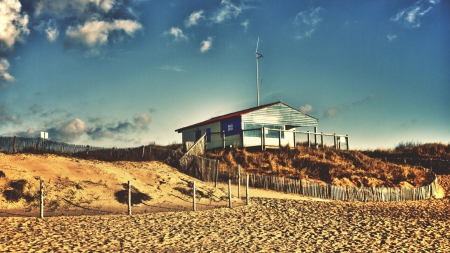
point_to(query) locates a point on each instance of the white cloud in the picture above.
(7, 117)
(331, 112)
(65, 8)
(4, 75)
(227, 11)
(206, 45)
(245, 25)
(68, 131)
(177, 34)
(308, 21)
(391, 37)
(410, 16)
(142, 121)
(306, 108)
(95, 33)
(172, 68)
(194, 18)
(50, 29)
(13, 24)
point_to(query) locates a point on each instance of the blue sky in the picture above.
(129, 72)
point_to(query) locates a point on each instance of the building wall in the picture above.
(277, 116)
(280, 114)
(215, 139)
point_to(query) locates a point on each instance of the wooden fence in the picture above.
(208, 170)
(22, 144)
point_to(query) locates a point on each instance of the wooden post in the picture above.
(41, 200)
(37, 143)
(239, 181)
(217, 173)
(335, 141)
(14, 144)
(315, 137)
(279, 138)
(247, 199)
(346, 142)
(262, 138)
(229, 193)
(62, 147)
(87, 150)
(223, 139)
(295, 143)
(143, 151)
(129, 197)
(321, 139)
(308, 139)
(194, 207)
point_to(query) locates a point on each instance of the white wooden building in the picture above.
(245, 128)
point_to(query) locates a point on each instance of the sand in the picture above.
(274, 222)
(268, 225)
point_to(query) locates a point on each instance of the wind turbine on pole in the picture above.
(258, 55)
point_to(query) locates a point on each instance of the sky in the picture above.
(126, 73)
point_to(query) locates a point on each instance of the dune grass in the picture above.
(338, 167)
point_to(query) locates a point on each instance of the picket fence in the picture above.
(208, 170)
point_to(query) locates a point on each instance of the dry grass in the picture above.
(338, 167)
(413, 150)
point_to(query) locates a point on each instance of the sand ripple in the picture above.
(268, 225)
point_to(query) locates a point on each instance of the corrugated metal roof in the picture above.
(238, 114)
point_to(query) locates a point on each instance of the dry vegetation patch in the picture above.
(338, 167)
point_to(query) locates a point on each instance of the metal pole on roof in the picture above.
(258, 55)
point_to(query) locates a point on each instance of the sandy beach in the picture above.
(267, 225)
(274, 222)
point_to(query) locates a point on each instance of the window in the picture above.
(254, 130)
(230, 127)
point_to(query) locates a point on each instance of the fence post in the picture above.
(37, 143)
(262, 138)
(62, 147)
(14, 144)
(129, 197)
(321, 139)
(279, 138)
(335, 141)
(87, 150)
(315, 137)
(217, 173)
(247, 200)
(346, 142)
(295, 143)
(309, 141)
(41, 200)
(143, 151)
(229, 193)
(239, 181)
(194, 207)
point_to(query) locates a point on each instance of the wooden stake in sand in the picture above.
(247, 199)
(229, 193)
(239, 181)
(41, 201)
(129, 197)
(194, 207)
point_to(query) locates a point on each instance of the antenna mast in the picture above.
(258, 55)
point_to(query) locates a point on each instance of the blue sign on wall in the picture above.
(232, 126)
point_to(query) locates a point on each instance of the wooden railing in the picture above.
(313, 139)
